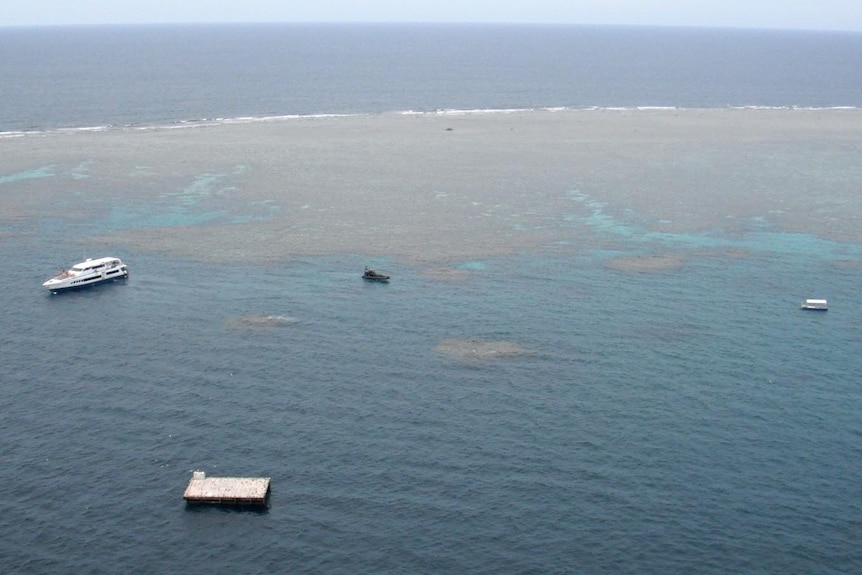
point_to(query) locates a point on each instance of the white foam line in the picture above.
(202, 122)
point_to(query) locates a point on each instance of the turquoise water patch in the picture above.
(140, 171)
(43, 172)
(798, 244)
(180, 208)
(264, 210)
(205, 201)
(761, 236)
(81, 171)
(603, 222)
(472, 266)
(122, 218)
(202, 188)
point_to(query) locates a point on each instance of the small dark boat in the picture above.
(373, 276)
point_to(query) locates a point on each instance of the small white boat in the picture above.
(815, 304)
(87, 273)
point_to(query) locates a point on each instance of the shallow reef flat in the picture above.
(433, 189)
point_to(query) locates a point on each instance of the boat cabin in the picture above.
(92, 264)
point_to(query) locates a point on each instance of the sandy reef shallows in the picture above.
(479, 349)
(432, 189)
(645, 264)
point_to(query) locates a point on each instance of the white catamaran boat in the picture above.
(88, 273)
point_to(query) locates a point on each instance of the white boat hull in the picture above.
(88, 273)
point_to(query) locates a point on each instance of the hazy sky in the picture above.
(794, 14)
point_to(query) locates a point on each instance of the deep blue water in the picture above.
(96, 76)
(665, 423)
(686, 421)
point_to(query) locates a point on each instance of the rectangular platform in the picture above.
(815, 304)
(227, 490)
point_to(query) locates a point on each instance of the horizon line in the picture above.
(753, 28)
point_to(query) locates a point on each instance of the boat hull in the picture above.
(373, 276)
(87, 283)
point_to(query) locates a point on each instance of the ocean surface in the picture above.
(98, 76)
(621, 399)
